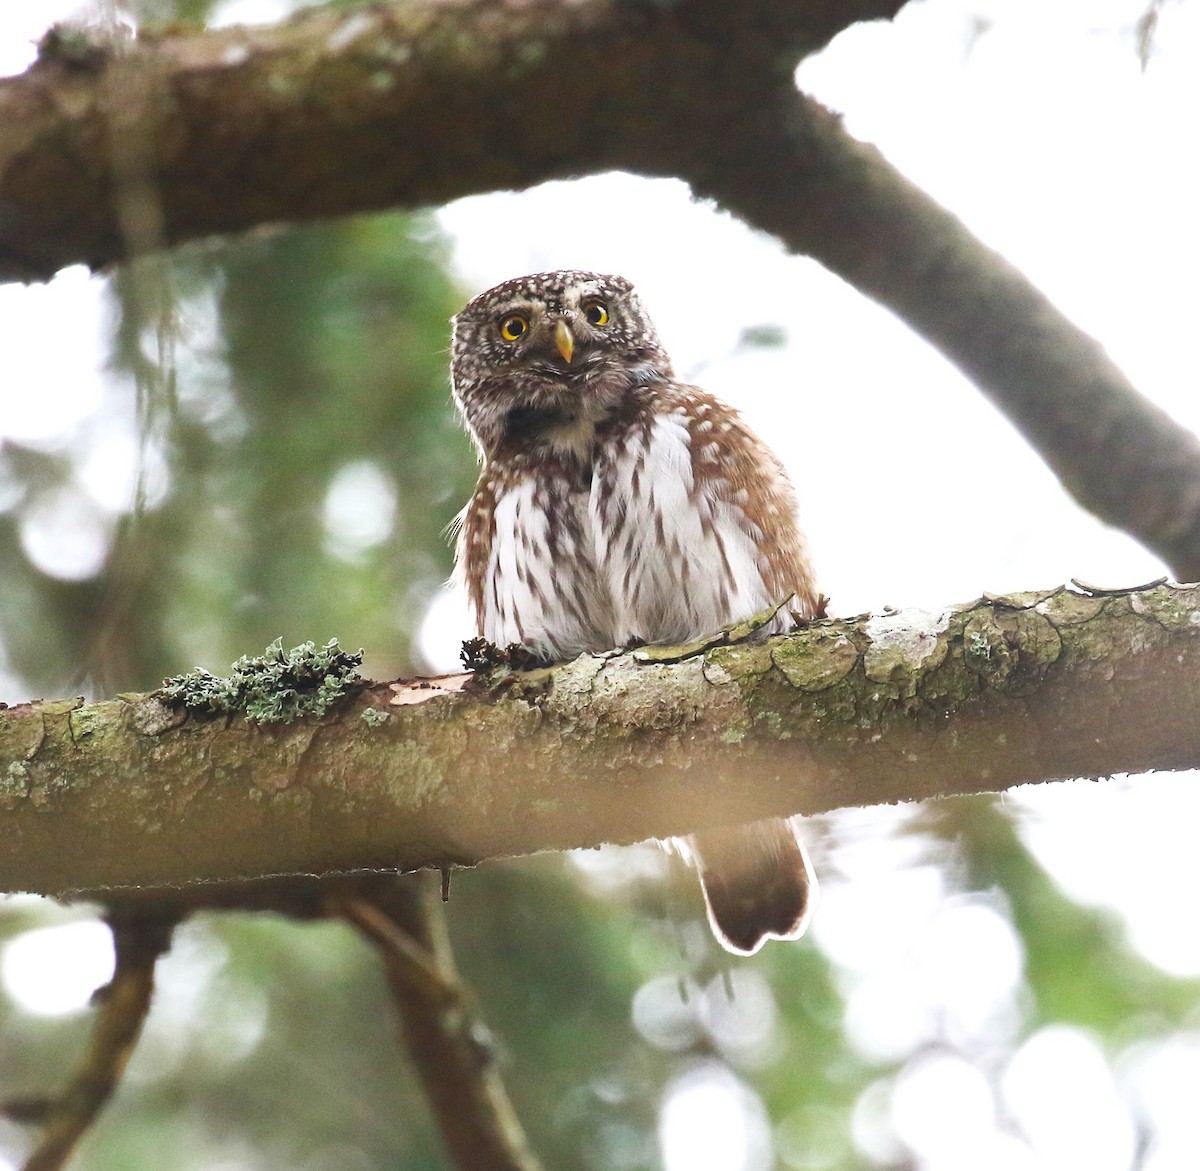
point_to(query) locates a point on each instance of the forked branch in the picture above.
(443, 1034)
(122, 1006)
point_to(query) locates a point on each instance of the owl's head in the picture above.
(544, 352)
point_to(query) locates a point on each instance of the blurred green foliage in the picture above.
(262, 369)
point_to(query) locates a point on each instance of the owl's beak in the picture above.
(564, 340)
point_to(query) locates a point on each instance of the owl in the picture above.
(619, 506)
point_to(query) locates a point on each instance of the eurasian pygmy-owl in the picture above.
(618, 506)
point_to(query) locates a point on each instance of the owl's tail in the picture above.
(758, 883)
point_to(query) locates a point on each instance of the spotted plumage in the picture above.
(618, 505)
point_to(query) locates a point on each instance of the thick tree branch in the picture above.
(900, 707)
(824, 193)
(338, 111)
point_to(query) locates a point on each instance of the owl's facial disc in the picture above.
(550, 356)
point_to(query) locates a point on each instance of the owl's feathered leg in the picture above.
(758, 883)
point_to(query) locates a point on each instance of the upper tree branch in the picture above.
(822, 192)
(390, 105)
(1033, 688)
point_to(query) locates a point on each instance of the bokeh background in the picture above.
(253, 438)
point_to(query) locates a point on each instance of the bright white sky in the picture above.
(1034, 121)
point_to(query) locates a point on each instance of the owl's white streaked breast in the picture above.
(679, 558)
(541, 586)
(643, 554)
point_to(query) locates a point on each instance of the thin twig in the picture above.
(122, 1007)
(450, 1046)
(1096, 591)
(407, 960)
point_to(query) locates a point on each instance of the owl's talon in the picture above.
(482, 657)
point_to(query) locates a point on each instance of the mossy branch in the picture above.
(439, 773)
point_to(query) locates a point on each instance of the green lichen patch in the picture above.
(1010, 649)
(985, 647)
(1067, 608)
(275, 687)
(816, 662)
(1172, 607)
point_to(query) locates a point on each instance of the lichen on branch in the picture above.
(275, 687)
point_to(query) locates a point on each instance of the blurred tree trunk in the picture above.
(652, 743)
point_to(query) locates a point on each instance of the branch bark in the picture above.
(389, 105)
(651, 743)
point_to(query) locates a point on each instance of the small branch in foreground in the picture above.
(122, 1007)
(448, 1043)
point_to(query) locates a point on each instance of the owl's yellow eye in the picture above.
(596, 313)
(513, 327)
